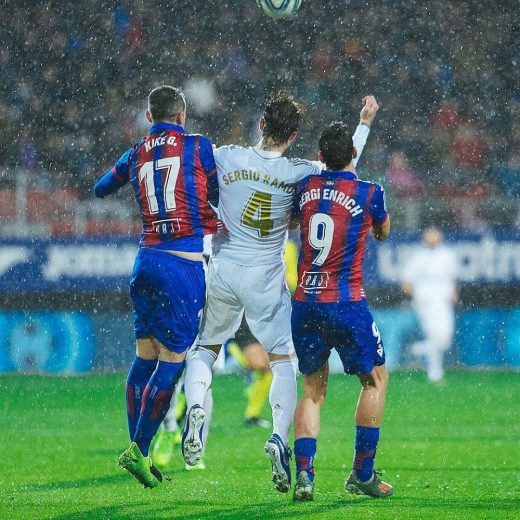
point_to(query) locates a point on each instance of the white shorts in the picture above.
(258, 291)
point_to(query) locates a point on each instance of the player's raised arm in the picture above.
(115, 178)
(366, 117)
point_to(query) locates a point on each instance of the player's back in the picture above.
(256, 190)
(336, 212)
(169, 173)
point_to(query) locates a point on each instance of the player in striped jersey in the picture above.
(336, 212)
(173, 175)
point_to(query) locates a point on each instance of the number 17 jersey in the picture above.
(171, 173)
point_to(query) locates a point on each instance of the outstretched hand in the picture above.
(369, 110)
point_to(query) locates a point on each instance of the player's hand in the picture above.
(369, 110)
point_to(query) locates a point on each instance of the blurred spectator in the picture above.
(469, 150)
(75, 77)
(403, 180)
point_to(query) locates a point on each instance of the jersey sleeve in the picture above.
(378, 210)
(121, 169)
(116, 178)
(304, 168)
(360, 140)
(206, 156)
(209, 166)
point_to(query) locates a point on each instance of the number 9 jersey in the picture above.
(336, 211)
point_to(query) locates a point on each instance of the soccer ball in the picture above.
(279, 8)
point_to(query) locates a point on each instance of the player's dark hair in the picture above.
(165, 103)
(336, 146)
(282, 117)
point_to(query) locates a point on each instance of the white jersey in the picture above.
(432, 273)
(256, 190)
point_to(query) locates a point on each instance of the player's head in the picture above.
(336, 146)
(281, 119)
(166, 103)
(432, 237)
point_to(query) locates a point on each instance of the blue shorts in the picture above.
(168, 295)
(348, 327)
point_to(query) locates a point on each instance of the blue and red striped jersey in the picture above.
(336, 211)
(173, 175)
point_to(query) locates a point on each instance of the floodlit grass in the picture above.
(450, 452)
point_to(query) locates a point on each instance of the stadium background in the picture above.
(74, 79)
(445, 146)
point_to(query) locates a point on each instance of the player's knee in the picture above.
(207, 355)
(377, 378)
(170, 356)
(146, 349)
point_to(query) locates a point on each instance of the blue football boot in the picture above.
(280, 456)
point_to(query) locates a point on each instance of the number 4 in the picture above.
(257, 213)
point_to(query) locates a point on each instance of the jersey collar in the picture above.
(265, 154)
(158, 127)
(342, 173)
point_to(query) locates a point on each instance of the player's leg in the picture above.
(167, 436)
(365, 358)
(143, 366)
(221, 319)
(439, 328)
(258, 390)
(170, 313)
(268, 314)
(306, 431)
(313, 356)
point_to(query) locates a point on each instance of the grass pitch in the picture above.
(450, 452)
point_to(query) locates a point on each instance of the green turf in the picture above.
(450, 452)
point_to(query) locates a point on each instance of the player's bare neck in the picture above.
(268, 146)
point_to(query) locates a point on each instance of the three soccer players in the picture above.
(336, 212)
(247, 274)
(173, 175)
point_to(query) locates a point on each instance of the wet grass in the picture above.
(450, 451)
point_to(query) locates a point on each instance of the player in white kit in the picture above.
(247, 273)
(430, 279)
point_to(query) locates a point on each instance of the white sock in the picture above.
(208, 408)
(282, 396)
(198, 375)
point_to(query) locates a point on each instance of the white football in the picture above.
(279, 8)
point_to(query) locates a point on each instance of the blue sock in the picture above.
(156, 402)
(138, 376)
(304, 452)
(366, 447)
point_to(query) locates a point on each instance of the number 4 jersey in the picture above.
(336, 211)
(173, 175)
(256, 191)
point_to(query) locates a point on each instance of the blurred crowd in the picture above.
(75, 77)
